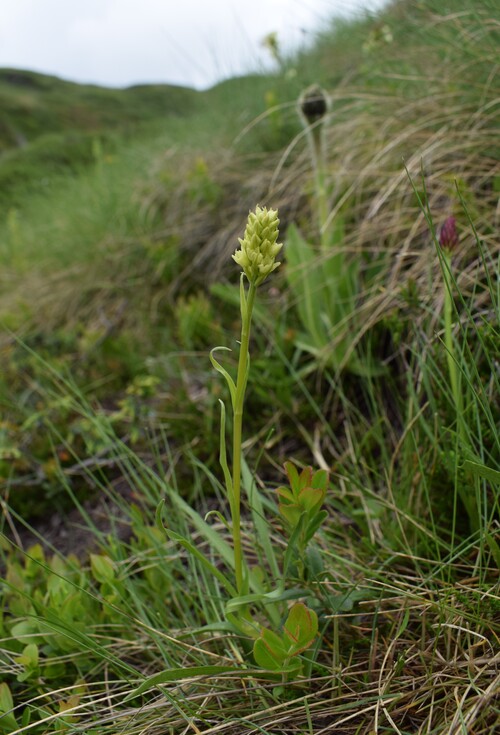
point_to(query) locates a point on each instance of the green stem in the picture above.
(471, 504)
(241, 384)
(320, 182)
(450, 350)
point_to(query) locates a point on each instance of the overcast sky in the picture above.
(123, 42)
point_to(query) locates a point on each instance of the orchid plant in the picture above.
(293, 632)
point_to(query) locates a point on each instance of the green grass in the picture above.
(116, 283)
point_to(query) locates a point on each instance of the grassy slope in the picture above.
(50, 126)
(105, 274)
(34, 105)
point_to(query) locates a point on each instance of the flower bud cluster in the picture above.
(313, 104)
(448, 237)
(259, 246)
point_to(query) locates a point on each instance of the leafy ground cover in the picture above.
(369, 597)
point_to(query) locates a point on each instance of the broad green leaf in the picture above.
(301, 627)
(8, 722)
(320, 480)
(291, 513)
(311, 498)
(286, 494)
(6, 701)
(270, 650)
(26, 631)
(103, 568)
(29, 656)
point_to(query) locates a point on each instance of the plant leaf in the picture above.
(304, 276)
(270, 651)
(301, 627)
(286, 494)
(223, 371)
(103, 569)
(182, 674)
(222, 455)
(291, 512)
(315, 523)
(311, 498)
(305, 478)
(320, 480)
(292, 474)
(481, 470)
(277, 595)
(196, 553)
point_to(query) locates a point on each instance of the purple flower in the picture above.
(448, 237)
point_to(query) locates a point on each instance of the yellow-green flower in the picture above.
(259, 246)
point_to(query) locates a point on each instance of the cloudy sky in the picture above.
(122, 42)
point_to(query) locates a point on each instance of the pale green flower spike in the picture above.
(259, 246)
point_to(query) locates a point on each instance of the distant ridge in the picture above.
(34, 104)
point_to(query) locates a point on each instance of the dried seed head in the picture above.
(313, 104)
(259, 246)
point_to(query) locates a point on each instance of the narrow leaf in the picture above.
(223, 371)
(481, 470)
(223, 457)
(305, 478)
(259, 519)
(293, 476)
(186, 544)
(177, 675)
(277, 595)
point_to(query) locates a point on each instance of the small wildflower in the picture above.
(313, 104)
(271, 43)
(448, 237)
(259, 246)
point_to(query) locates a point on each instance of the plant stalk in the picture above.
(241, 384)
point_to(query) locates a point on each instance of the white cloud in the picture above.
(120, 42)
